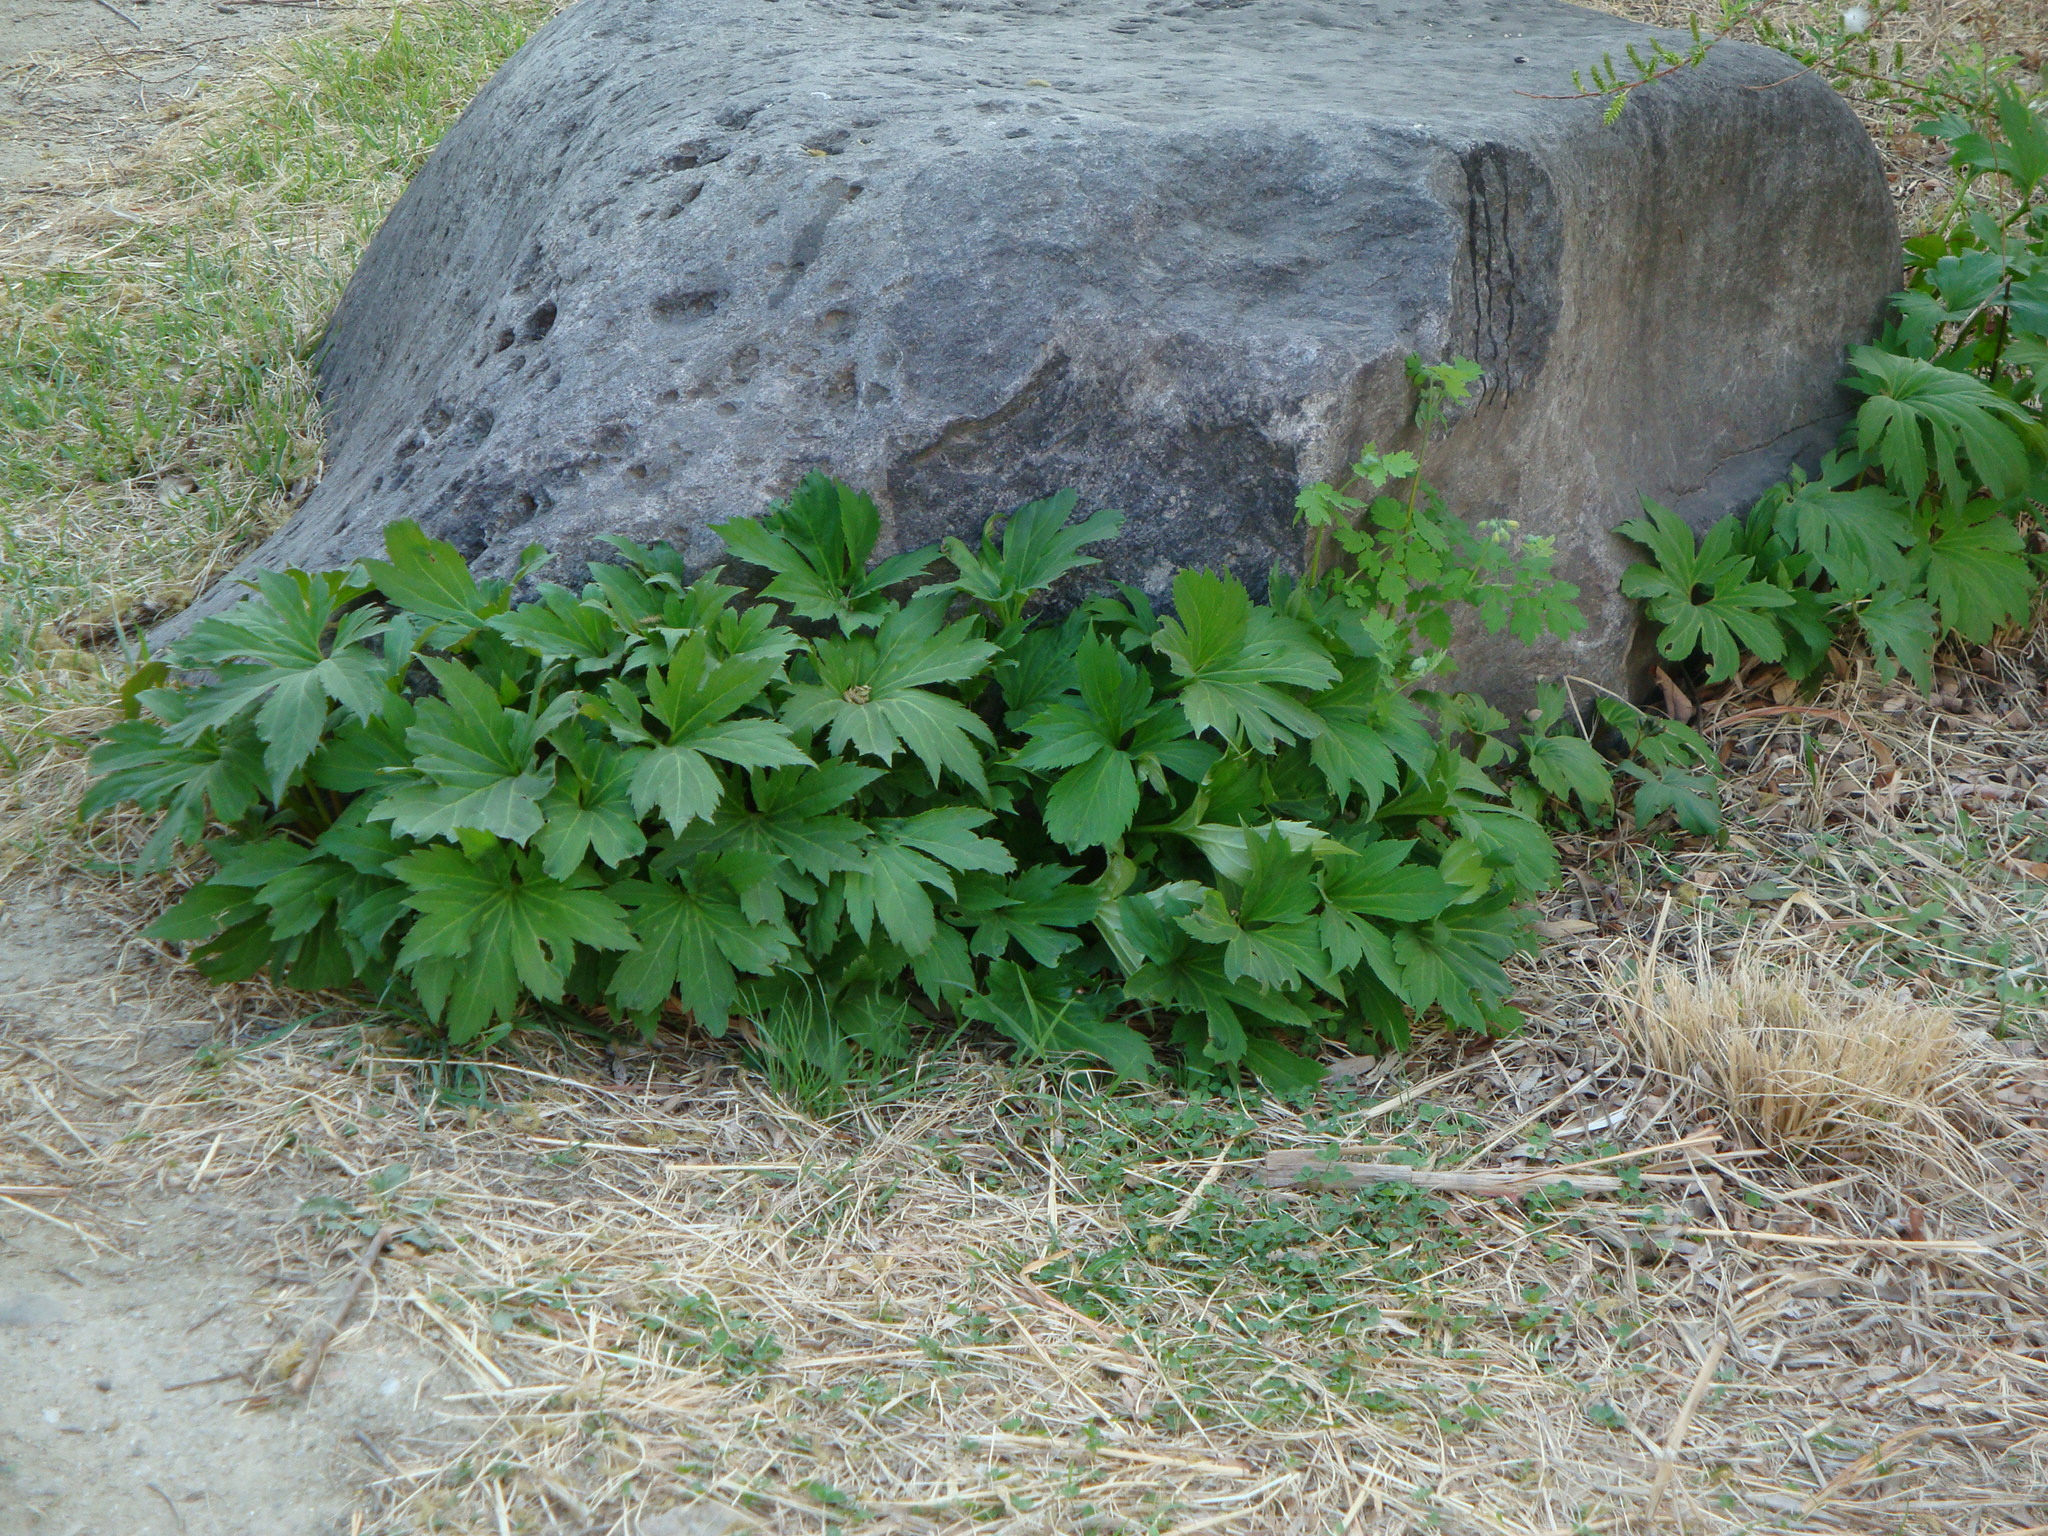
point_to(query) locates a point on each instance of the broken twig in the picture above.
(1312, 1167)
(316, 1350)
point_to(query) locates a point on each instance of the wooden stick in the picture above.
(1284, 1168)
(1802, 1240)
(1695, 1141)
(1193, 1198)
(205, 1381)
(316, 1351)
(1667, 1462)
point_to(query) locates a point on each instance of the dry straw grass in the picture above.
(1802, 1062)
(1007, 1302)
(159, 319)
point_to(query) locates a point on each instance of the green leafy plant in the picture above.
(1919, 526)
(879, 795)
(1392, 573)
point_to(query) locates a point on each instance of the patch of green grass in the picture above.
(156, 398)
(1225, 1289)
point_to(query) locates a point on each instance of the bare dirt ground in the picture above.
(83, 81)
(136, 1327)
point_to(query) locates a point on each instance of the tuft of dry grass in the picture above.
(1801, 1061)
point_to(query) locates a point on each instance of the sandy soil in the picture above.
(83, 81)
(136, 1324)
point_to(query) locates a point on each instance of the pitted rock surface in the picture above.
(1170, 253)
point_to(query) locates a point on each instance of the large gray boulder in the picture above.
(1170, 253)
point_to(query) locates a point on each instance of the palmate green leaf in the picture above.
(1280, 1070)
(1368, 730)
(1266, 924)
(1185, 978)
(817, 543)
(474, 766)
(292, 923)
(1737, 612)
(590, 808)
(1037, 668)
(1855, 537)
(1514, 847)
(2026, 310)
(651, 591)
(275, 906)
(1035, 546)
(1454, 962)
(1924, 421)
(695, 699)
(1036, 912)
(694, 937)
(204, 911)
(1108, 734)
(218, 777)
(492, 928)
(359, 755)
(1902, 629)
(1569, 765)
(273, 655)
(1044, 1012)
(1379, 880)
(1691, 796)
(906, 860)
(1228, 847)
(874, 694)
(430, 578)
(899, 896)
(1093, 805)
(796, 815)
(326, 913)
(1977, 571)
(2019, 150)
(1362, 892)
(1281, 954)
(1808, 625)
(1233, 660)
(562, 626)
(662, 614)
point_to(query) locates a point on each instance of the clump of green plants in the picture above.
(1399, 565)
(877, 793)
(1917, 528)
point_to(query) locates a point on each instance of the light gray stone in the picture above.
(30, 1309)
(1171, 254)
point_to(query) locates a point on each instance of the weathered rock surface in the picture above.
(1170, 253)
